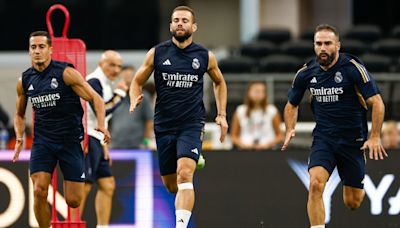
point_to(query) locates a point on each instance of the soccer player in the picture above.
(54, 88)
(98, 160)
(179, 65)
(341, 91)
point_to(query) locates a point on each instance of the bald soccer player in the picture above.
(98, 160)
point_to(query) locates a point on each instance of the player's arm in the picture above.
(140, 78)
(220, 93)
(290, 115)
(376, 150)
(367, 87)
(19, 119)
(74, 79)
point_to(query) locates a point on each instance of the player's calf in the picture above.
(353, 197)
(353, 202)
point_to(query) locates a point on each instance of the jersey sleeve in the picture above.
(299, 86)
(366, 85)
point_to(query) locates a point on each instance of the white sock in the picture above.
(318, 226)
(102, 226)
(182, 218)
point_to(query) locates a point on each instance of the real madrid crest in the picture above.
(53, 83)
(195, 64)
(338, 77)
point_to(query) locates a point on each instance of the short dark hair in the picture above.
(42, 33)
(186, 8)
(331, 28)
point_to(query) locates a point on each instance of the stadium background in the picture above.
(237, 189)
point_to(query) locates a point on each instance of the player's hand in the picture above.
(107, 155)
(135, 102)
(17, 149)
(223, 124)
(289, 135)
(122, 85)
(106, 133)
(376, 150)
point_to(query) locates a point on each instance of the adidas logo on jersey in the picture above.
(313, 80)
(195, 151)
(166, 63)
(31, 87)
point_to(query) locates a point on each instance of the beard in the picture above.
(328, 60)
(181, 38)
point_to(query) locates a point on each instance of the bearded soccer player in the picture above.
(341, 91)
(179, 66)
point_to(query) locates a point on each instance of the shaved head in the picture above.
(111, 63)
(110, 55)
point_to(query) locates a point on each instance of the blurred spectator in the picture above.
(390, 135)
(256, 124)
(132, 130)
(4, 118)
(4, 130)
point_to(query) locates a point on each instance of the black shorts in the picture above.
(96, 166)
(45, 155)
(173, 145)
(348, 158)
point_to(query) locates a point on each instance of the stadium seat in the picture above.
(354, 47)
(279, 63)
(387, 47)
(259, 49)
(307, 34)
(238, 64)
(377, 63)
(298, 48)
(395, 32)
(366, 33)
(275, 35)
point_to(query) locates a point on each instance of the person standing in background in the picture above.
(132, 130)
(256, 124)
(390, 135)
(98, 160)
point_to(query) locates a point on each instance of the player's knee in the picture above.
(108, 187)
(316, 186)
(40, 192)
(74, 201)
(184, 175)
(352, 204)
